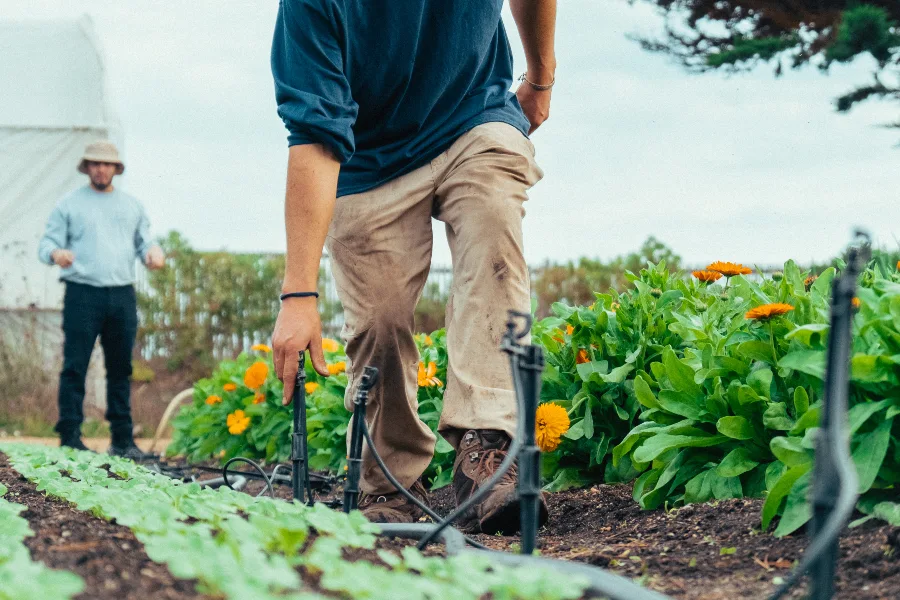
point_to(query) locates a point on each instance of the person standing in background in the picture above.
(94, 235)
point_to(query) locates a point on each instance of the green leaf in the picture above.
(871, 369)
(789, 451)
(801, 401)
(664, 442)
(680, 374)
(737, 462)
(780, 490)
(680, 403)
(776, 417)
(756, 350)
(585, 370)
(862, 412)
(617, 375)
(737, 428)
(761, 382)
(576, 431)
(588, 423)
(811, 362)
(796, 509)
(812, 335)
(869, 452)
(644, 394)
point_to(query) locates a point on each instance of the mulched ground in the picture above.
(108, 557)
(681, 554)
(701, 552)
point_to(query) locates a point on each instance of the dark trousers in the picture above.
(111, 313)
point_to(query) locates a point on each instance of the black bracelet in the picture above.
(299, 295)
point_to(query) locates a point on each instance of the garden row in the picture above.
(237, 546)
(698, 387)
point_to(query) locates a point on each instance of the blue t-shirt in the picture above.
(388, 85)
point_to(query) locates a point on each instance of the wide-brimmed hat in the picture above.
(101, 151)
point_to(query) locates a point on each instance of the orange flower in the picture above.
(237, 422)
(550, 422)
(229, 387)
(707, 276)
(311, 387)
(256, 375)
(261, 348)
(807, 283)
(427, 377)
(429, 341)
(856, 302)
(259, 398)
(338, 367)
(329, 345)
(768, 311)
(213, 400)
(569, 329)
(582, 356)
(898, 265)
(729, 269)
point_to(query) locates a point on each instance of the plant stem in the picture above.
(772, 341)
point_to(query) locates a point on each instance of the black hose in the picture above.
(263, 474)
(406, 493)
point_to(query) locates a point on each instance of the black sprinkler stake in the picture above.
(299, 451)
(354, 459)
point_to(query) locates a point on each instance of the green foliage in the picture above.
(19, 575)
(671, 383)
(864, 28)
(241, 547)
(750, 48)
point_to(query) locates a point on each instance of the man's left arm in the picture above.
(151, 254)
(536, 22)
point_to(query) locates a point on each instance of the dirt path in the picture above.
(95, 444)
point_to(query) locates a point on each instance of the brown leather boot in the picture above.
(478, 457)
(394, 507)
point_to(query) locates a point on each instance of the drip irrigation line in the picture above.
(262, 473)
(406, 493)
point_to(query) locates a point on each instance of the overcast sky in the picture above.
(747, 168)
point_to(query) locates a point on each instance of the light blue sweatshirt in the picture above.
(105, 231)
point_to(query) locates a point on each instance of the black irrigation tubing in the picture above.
(422, 506)
(265, 477)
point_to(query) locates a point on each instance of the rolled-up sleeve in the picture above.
(311, 89)
(55, 235)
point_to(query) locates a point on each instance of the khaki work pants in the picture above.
(380, 244)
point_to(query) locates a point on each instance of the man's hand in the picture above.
(63, 258)
(297, 329)
(535, 104)
(156, 259)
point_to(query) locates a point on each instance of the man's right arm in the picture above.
(54, 240)
(308, 207)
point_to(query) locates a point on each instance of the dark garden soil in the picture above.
(107, 556)
(711, 551)
(703, 552)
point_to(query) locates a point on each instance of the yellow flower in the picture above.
(550, 422)
(256, 375)
(591, 307)
(427, 377)
(213, 400)
(582, 356)
(429, 341)
(807, 283)
(729, 269)
(237, 422)
(707, 276)
(614, 306)
(569, 329)
(261, 348)
(338, 367)
(898, 265)
(259, 398)
(856, 302)
(229, 387)
(768, 311)
(329, 345)
(311, 387)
